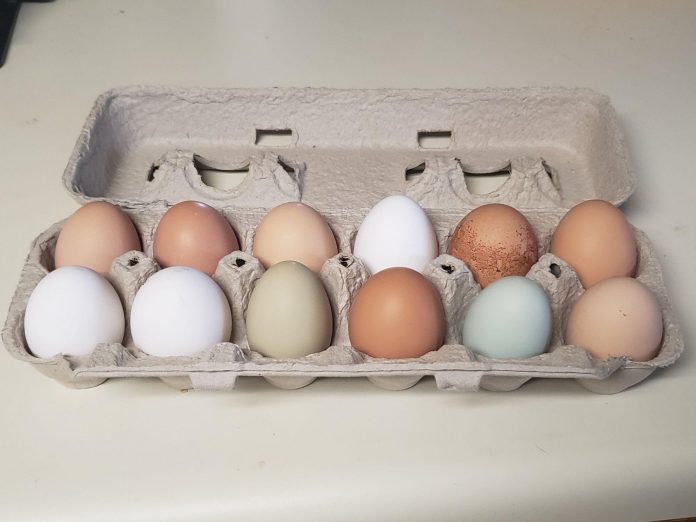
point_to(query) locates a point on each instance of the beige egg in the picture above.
(294, 232)
(619, 317)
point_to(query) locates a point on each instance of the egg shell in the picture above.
(618, 317)
(595, 238)
(94, 236)
(71, 311)
(294, 232)
(510, 319)
(396, 314)
(289, 314)
(193, 234)
(396, 233)
(179, 311)
(495, 241)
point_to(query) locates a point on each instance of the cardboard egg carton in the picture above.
(341, 151)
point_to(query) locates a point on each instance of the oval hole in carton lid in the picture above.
(219, 177)
(486, 182)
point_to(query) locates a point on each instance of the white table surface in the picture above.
(346, 450)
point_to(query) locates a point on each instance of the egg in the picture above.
(289, 313)
(510, 319)
(294, 232)
(179, 311)
(71, 311)
(396, 314)
(396, 233)
(595, 239)
(495, 241)
(618, 317)
(193, 234)
(94, 236)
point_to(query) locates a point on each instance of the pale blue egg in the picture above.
(509, 319)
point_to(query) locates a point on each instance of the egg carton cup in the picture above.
(146, 148)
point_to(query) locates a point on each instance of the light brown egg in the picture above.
(495, 241)
(595, 239)
(193, 234)
(294, 232)
(94, 236)
(617, 317)
(396, 314)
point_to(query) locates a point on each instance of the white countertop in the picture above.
(346, 450)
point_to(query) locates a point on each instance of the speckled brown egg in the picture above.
(396, 314)
(495, 241)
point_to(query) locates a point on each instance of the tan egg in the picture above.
(495, 241)
(193, 234)
(618, 317)
(94, 236)
(294, 232)
(595, 239)
(396, 314)
(289, 313)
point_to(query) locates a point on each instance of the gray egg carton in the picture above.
(341, 151)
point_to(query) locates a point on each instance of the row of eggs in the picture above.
(397, 313)
(494, 240)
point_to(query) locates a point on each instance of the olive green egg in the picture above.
(289, 314)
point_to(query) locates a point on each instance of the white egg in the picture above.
(71, 311)
(179, 311)
(396, 232)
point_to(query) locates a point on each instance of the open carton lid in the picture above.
(335, 149)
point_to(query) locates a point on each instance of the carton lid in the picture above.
(531, 147)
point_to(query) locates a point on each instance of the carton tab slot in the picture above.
(273, 137)
(440, 139)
